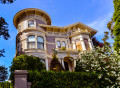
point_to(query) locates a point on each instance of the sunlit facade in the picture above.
(36, 36)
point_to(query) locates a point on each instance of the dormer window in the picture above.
(31, 23)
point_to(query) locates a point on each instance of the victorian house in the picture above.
(36, 36)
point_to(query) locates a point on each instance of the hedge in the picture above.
(52, 79)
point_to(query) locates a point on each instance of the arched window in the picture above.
(31, 42)
(31, 23)
(40, 42)
(86, 44)
(58, 44)
(63, 44)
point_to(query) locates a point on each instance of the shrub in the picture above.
(63, 79)
(106, 65)
(63, 48)
(24, 62)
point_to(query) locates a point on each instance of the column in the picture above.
(82, 43)
(25, 43)
(20, 78)
(36, 42)
(90, 43)
(46, 63)
(74, 46)
(63, 63)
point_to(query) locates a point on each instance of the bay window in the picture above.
(40, 42)
(31, 42)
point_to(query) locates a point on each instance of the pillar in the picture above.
(90, 44)
(46, 63)
(82, 43)
(20, 78)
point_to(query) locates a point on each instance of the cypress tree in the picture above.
(116, 29)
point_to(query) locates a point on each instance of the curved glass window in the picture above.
(63, 44)
(31, 23)
(31, 42)
(40, 42)
(86, 44)
(58, 44)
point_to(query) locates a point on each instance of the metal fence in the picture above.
(5, 85)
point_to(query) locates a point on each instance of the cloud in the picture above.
(100, 24)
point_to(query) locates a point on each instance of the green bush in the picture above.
(6, 84)
(24, 62)
(63, 48)
(52, 79)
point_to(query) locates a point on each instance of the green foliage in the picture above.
(6, 1)
(63, 48)
(24, 62)
(3, 32)
(3, 73)
(1, 53)
(4, 28)
(116, 29)
(63, 79)
(55, 65)
(103, 61)
(6, 85)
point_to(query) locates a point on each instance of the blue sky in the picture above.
(94, 13)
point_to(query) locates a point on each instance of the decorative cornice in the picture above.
(69, 28)
(30, 11)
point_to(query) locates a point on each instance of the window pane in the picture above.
(86, 44)
(40, 39)
(63, 44)
(31, 39)
(31, 42)
(31, 45)
(40, 45)
(18, 46)
(58, 44)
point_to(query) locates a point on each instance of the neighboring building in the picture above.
(36, 36)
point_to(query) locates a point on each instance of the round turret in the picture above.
(31, 13)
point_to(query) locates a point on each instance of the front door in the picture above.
(66, 66)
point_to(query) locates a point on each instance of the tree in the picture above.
(55, 65)
(96, 42)
(5, 34)
(116, 29)
(3, 73)
(6, 1)
(4, 26)
(102, 61)
(24, 62)
(110, 26)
